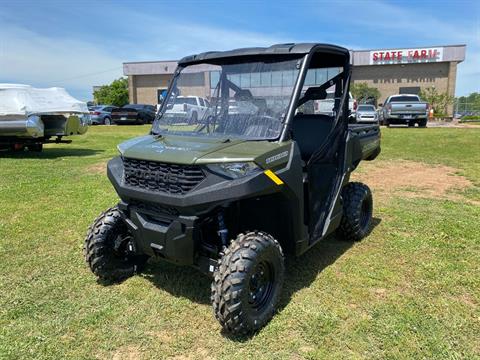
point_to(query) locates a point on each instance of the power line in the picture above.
(88, 75)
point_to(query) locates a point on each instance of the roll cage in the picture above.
(310, 56)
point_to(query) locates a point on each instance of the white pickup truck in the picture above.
(188, 108)
(407, 109)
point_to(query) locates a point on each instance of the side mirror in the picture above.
(380, 105)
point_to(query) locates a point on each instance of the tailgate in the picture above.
(408, 107)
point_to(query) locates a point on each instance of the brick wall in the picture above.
(389, 78)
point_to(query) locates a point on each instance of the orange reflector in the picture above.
(273, 177)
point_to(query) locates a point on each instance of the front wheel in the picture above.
(357, 212)
(248, 282)
(422, 123)
(109, 249)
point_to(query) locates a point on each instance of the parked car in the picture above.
(101, 114)
(366, 113)
(407, 109)
(326, 106)
(31, 117)
(134, 114)
(189, 108)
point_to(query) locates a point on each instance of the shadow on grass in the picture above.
(50, 153)
(179, 281)
(300, 272)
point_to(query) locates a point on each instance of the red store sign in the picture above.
(405, 56)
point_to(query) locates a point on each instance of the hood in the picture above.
(173, 148)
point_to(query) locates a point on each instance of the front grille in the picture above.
(156, 209)
(161, 177)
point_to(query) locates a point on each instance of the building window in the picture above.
(409, 90)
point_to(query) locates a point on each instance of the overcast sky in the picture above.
(78, 44)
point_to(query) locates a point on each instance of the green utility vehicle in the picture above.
(252, 175)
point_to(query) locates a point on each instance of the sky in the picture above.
(82, 43)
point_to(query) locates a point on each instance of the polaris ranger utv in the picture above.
(259, 175)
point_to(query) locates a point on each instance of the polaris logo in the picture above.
(156, 176)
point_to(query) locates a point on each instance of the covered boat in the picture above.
(31, 115)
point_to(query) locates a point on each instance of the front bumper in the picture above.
(367, 119)
(172, 237)
(167, 225)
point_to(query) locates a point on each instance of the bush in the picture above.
(364, 93)
(438, 101)
(471, 117)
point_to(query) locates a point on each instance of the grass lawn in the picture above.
(409, 290)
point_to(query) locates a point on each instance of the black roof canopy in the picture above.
(337, 55)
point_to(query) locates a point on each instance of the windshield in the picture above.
(403, 98)
(366, 108)
(245, 100)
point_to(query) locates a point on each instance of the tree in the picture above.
(114, 94)
(438, 101)
(363, 93)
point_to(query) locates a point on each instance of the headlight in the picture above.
(234, 170)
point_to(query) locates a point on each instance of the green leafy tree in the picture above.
(363, 93)
(114, 94)
(438, 101)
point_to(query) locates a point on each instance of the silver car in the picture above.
(366, 114)
(101, 114)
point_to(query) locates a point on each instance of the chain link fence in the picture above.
(462, 109)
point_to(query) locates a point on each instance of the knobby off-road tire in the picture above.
(247, 283)
(357, 212)
(106, 248)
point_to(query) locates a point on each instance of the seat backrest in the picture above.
(310, 131)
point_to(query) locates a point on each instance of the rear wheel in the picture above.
(357, 212)
(248, 282)
(107, 121)
(109, 249)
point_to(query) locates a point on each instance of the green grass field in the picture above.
(409, 290)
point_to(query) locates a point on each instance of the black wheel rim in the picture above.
(366, 213)
(123, 246)
(260, 285)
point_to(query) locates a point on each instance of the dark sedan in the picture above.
(134, 114)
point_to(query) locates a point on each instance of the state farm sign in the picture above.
(405, 56)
